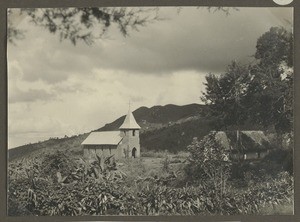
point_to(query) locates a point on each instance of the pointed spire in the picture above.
(129, 122)
(129, 106)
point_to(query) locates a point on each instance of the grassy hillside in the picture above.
(48, 146)
(176, 137)
(158, 118)
(169, 127)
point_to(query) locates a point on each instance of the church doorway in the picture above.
(133, 152)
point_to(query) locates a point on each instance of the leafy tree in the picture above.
(226, 95)
(261, 93)
(275, 47)
(273, 82)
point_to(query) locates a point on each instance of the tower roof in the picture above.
(129, 122)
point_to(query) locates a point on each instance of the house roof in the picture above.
(249, 140)
(129, 122)
(257, 136)
(103, 138)
(222, 139)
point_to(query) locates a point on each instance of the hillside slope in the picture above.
(158, 116)
(176, 137)
(168, 127)
(49, 146)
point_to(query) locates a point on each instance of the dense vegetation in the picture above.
(62, 183)
(177, 136)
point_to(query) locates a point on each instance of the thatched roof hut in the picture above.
(251, 144)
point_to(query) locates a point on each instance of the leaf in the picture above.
(99, 159)
(60, 179)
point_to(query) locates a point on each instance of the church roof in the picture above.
(103, 138)
(129, 122)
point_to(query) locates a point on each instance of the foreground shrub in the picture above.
(283, 158)
(75, 189)
(85, 189)
(208, 163)
(163, 200)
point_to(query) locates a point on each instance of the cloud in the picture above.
(194, 39)
(82, 111)
(31, 95)
(73, 85)
(137, 99)
(56, 88)
(44, 124)
(36, 128)
(22, 90)
(51, 63)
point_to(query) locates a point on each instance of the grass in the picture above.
(155, 154)
(154, 167)
(280, 209)
(163, 154)
(48, 146)
(150, 166)
(165, 170)
(154, 178)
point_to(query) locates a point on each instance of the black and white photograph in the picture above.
(150, 111)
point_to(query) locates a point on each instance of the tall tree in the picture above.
(261, 93)
(226, 95)
(273, 82)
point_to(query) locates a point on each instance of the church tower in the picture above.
(129, 131)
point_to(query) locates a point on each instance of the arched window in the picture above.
(133, 152)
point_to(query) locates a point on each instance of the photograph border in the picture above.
(4, 4)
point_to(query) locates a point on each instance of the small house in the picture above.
(247, 145)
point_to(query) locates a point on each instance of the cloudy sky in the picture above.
(57, 89)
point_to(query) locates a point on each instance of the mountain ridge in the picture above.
(157, 115)
(154, 121)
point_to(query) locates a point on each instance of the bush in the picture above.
(208, 162)
(77, 187)
(282, 157)
(166, 164)
(70, 187)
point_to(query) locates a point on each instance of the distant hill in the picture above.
(29, 150)
(158, 116)
(177, 136)
(168, 127)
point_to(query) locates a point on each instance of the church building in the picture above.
(122, 143)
